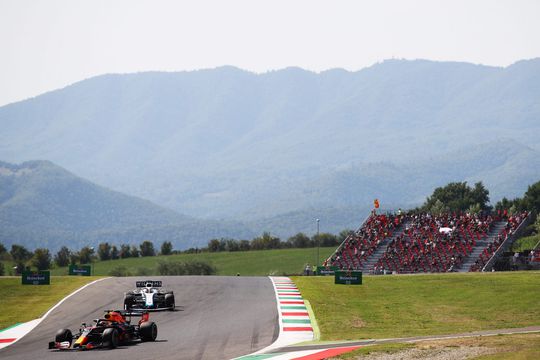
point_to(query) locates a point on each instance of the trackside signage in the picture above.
(84, 270)
(326, 270)
(348, 277)
(36, 278)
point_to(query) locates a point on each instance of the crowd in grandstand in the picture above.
(362, 243)
(434, 243)
(512, 224)
(425, 242)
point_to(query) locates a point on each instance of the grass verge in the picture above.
(21, 303)
(410, 305)
(253, 263)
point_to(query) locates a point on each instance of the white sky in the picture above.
(46, 45)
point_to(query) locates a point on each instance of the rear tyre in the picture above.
(169, 301)
(109, 338)
(148, 331)
(64, 335)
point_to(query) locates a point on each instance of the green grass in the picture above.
(264, 262)
(21, 303)
(526, 243)
(409, 305)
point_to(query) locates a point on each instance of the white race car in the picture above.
(149, 296)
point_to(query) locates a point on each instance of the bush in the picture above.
(142, 271)
(185, 268)
(120, 271)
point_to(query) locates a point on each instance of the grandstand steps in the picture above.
(367, 266)
(481, 245)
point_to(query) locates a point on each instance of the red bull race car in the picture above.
(115, 328)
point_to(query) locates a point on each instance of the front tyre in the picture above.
(128, 302)
(169, 301)
(148, 331)
(109, 338)
(63, 335)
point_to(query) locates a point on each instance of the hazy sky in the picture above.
(46, 45)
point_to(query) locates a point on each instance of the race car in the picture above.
(113, 329)
(148, 296)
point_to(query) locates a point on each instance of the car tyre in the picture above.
(169, 301)
(109, 338)
(148, 331)
(128, 302)
(64, 335)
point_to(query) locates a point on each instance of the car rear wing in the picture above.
(152, 283)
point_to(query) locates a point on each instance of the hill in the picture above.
(43, 205)
(229, 144)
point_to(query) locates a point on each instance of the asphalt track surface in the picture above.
(216, 317)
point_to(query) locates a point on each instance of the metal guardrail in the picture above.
(507, 242)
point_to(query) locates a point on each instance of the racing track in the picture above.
(216, 318)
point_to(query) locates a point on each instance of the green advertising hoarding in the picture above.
(36, 278)
(348, 277)
(326, 270)
(84, 270)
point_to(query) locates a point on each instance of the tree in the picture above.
(20, 256)
(125, 251)
(135, 251)
(3, 249)
(73, 258)
(41, 259)
(505, 204)
(531, 199)
(244, 245)
(438, 208)
(231, 245)
(166, 248)
(114, 253)
(62, 257)
(474, 209)
(299, 240)
(86, 255)
(147, 248)
(480, 195)
(457, 196)
(266, 241)
(2, 271)
(537, 224)
(214, 245)
(104, 251)
(20, 253)
(325, 240)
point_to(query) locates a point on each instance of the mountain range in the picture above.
(43, 205)
(275, 151)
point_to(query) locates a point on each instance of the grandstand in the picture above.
(393, 242)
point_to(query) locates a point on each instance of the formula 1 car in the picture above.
(115, 328)
(147, 296)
